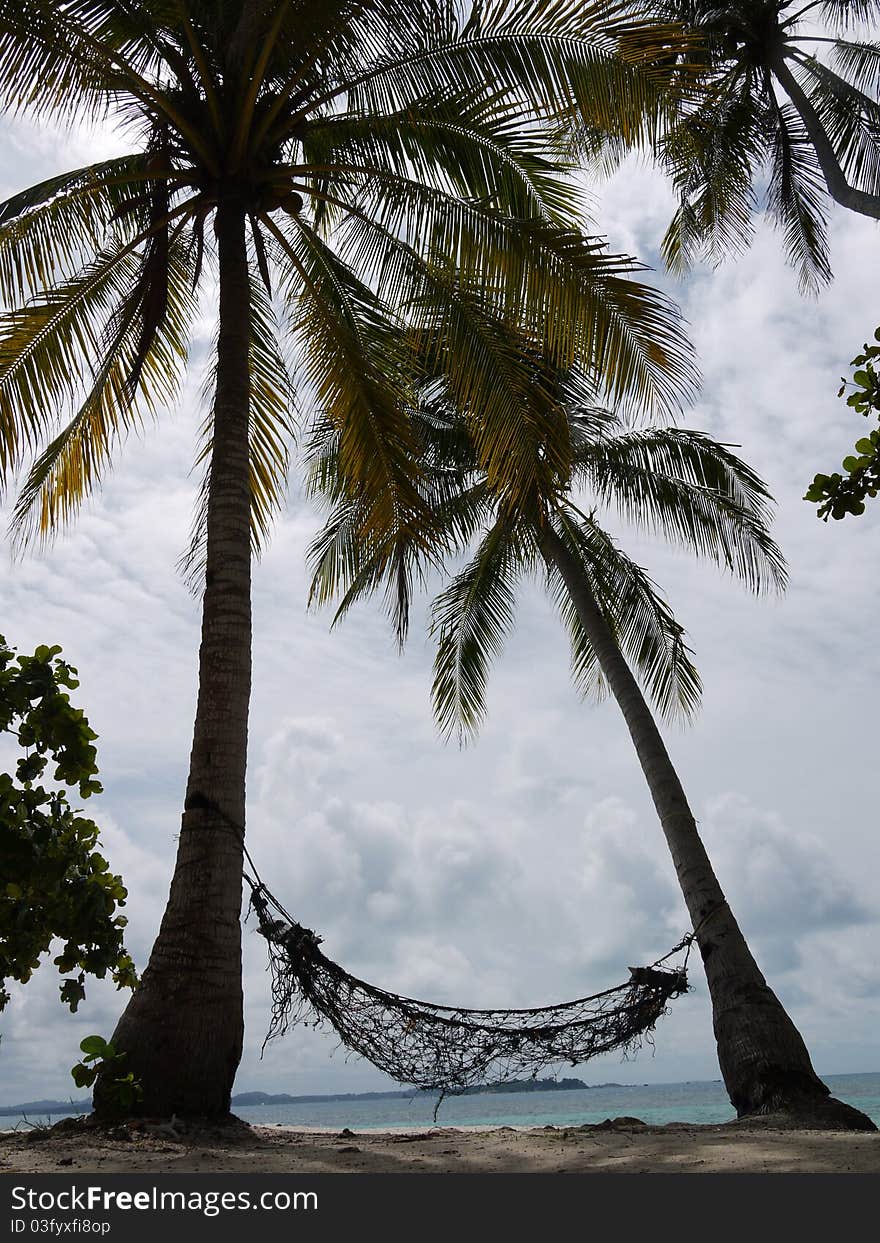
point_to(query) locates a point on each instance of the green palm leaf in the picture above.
(796, 199)
(711, 156)
(72, 465)
(694, 492)
(357, 361)
(859, 63)
(46, 348)
(471, 618)
(46, 231)
(636, 614)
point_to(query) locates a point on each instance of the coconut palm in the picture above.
(698, 495)
(770, 102)
(333, 176)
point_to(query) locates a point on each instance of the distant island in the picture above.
(512, 1085)
(48, 1107)
(282, 1098)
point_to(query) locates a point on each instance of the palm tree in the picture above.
(768, 101)
(697, 493)
(347, 171)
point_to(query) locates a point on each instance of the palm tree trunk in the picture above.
(183, 1029)
(838, 186)
(763, 1059)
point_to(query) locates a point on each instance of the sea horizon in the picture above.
(697, 1102)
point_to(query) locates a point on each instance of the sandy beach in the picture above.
(624, 1146)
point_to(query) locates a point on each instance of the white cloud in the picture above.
(786, 883)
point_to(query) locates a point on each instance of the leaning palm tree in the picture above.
(678, 483)
(769, 102)
(334, 175)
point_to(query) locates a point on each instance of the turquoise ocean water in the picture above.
(654, 1103)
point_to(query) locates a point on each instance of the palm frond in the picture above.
(49, 230)
(471, 619)
(711, 155)
(45, 64)
(337, 556)
(492, 375)
(585, 302)
(562, 61)
(693, 491)
(128, 380)
(842, 13)
(346, 557)
(351, 561)
(475, 150)
(76, 59)
(637, 615)
(796, 198)
(361, 371)
(858, 63)
(47, 347)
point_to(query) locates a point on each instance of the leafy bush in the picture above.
(55, 883)
(838, 495)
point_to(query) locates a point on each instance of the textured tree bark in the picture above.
(764, 1061)
(838, 186)
(183, 1029)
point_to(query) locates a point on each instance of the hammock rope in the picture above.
(446, 1048)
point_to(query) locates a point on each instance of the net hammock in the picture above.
(450, 1048)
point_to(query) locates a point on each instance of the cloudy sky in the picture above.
(529, 868)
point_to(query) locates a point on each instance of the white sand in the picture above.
(621, 1147)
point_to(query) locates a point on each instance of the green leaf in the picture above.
(94, 1046)
(72, 993)
(84, 1076)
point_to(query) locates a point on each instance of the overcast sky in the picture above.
(529, 868)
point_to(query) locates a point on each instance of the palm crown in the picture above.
(389, 182)
(679, 483)
(769, 102)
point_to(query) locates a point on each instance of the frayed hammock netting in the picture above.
(449, 1048)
